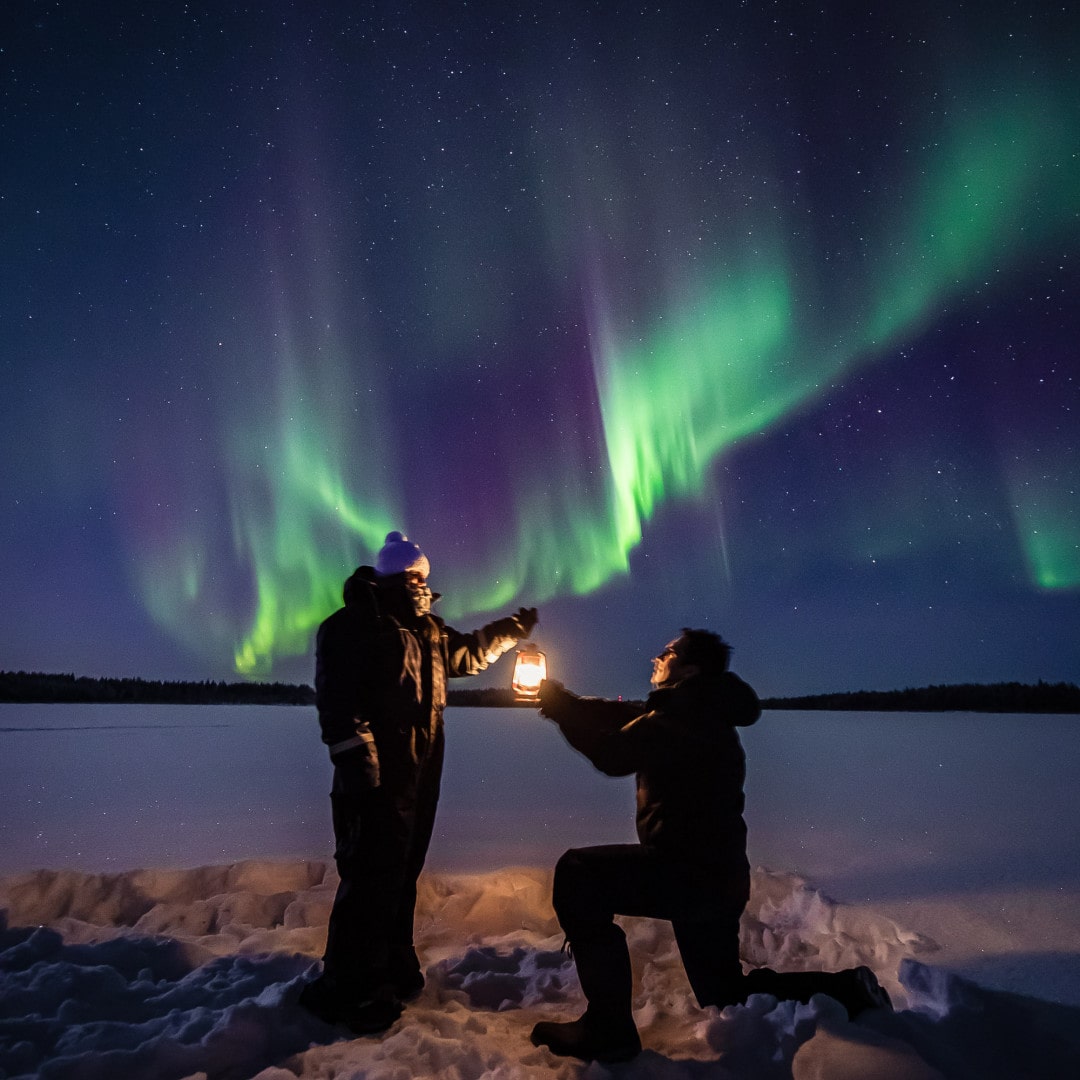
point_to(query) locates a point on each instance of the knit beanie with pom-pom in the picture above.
(399, 554)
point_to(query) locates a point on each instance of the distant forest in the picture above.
(1011, 697)
(1008, 697)
(36, 687)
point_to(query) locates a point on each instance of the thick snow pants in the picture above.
(382, 836)
(703, 903)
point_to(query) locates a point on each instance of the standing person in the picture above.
(381, 665)
(690, 865)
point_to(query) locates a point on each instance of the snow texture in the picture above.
(195, 973)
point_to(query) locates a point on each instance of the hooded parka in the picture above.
(686, 753)
(380, 688)
(380, 679)
(690, 866)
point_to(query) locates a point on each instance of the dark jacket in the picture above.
(380, 678)
(684, 748)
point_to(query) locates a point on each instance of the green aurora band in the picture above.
(747, 355)
(750, 347)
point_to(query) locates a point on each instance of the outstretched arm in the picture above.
(591, 726)
(472, 653)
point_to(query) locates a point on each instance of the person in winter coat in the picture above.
(381, 666)
(690, 864)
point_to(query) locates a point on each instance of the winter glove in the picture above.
(502, 635)
(526, 618)
(516, 627)
(356, 762)
(552, 695)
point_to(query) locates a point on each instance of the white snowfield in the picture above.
(194, 973)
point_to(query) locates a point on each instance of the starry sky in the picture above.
(754, 316)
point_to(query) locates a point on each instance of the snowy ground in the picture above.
(189, 973)
(952, 840)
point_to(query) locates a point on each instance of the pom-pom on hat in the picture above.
(399, 554)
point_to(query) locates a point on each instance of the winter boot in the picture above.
(857, 989)
(405, 973)
(721, 993)
(362, 1014)
(606, 1032)
(589, 1038)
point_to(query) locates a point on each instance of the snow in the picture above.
(193, 973)
(942, 852)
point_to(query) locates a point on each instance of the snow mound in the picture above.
(173, 974)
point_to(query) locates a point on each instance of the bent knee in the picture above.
(571, 872)
(570, 862)
(574, 893)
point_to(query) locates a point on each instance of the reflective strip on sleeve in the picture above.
(491, 652)
(495, 651)
(349, 744)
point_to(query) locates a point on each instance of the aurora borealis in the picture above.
(749, 316)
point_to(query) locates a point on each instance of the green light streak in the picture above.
(1053, 551)
(705, 377)
(296, 522)
(746, 355)
(693, 387)
(748, 350)
(308, 491)
(1005, 183)
(1042, 482)
(760, 331)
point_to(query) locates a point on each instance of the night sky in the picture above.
(755, 316)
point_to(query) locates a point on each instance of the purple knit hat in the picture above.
(399, 554)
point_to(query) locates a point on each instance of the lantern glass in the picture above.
(530, 670)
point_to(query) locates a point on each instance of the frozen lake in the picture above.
(868, 805)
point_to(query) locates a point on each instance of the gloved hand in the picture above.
(552, 692)
(356, 768)
(526, 618)
(516, 627)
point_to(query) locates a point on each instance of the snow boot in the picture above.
(405, 973)
(857, 989)
(606, 1032)
(362, 1014)
(589, 1039)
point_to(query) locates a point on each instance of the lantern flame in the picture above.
(530, 670)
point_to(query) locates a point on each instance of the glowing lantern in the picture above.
(530, 670)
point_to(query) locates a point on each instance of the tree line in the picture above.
(1015, 697)
(39, 688)
(21, 686)
(1009, 697)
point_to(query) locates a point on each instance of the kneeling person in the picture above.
(690, 866)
